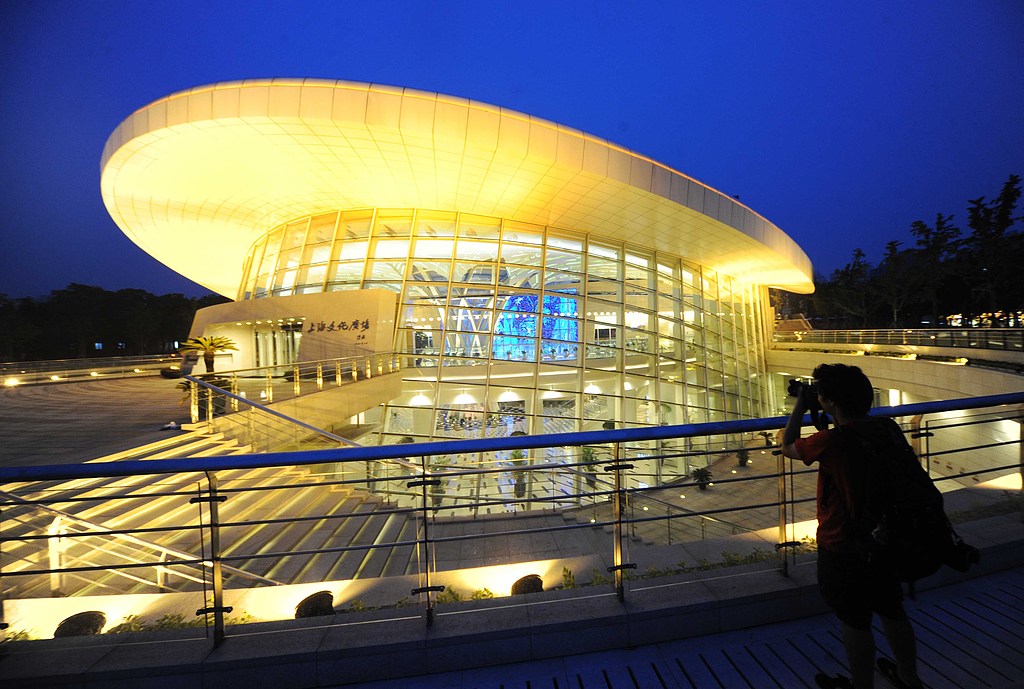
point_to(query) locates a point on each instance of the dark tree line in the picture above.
(975, 271)
(71, 322)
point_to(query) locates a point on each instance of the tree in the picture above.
(936, 253)
(991, 251)
(944, 273)
(208, 346)
(849, 289)
(138, 319)
(80, 316)
(893, 283)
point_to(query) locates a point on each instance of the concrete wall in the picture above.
(335, 324)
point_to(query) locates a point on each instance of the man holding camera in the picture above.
(849, 586)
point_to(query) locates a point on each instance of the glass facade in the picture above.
(506, 326)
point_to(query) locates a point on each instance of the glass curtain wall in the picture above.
(512, 327)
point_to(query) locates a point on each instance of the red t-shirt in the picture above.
(835, 494)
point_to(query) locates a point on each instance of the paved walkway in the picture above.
(970, 636)
(74, 422)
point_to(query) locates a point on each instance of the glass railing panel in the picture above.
(105, 542)
(971, 447)
(372, 525)
(317, 524)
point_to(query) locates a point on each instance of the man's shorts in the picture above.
(854, 591)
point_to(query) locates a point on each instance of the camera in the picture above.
(808, 392)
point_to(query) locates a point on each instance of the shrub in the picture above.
(449, 595)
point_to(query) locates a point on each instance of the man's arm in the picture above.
(792, 432)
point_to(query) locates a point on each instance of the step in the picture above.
(318, 535)
(337, 532)
(174, 439)
(285, 541)
(351, 561)
(255, 539)
(374, 562)
(321, 567)
(402, 559)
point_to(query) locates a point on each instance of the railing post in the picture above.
(296, 383)
(270, 386)
(57, 546)
(209, 408)
(783, 543)
(915, 441)
(617, 506)
(193, 401)
(427, 545)
(319, 375)
(233, 389)
(161, 571)
(217, 608)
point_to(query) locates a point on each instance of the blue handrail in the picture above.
(309, 457)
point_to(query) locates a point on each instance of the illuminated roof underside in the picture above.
(196, 177)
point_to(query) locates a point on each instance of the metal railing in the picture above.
(225, 391)
(1002, 339)
(605, 512)
(257, 428)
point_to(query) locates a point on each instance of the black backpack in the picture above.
(899, 522)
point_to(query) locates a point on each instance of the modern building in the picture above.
(530, 276)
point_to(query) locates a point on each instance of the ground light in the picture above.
(319, 604)
(81, 624)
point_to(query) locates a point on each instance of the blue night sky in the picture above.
(842, 123)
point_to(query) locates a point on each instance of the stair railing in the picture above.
(248, 432)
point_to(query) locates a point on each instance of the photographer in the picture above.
(852, 589)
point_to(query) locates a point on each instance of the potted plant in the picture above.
(702, 475)
(589, 456)
(208, 346)
(743, 456)
(518, 458)
(437, 494)
(439, 490)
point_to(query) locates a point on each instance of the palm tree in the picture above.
(208, 347)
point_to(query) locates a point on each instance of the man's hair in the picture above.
(847, 386)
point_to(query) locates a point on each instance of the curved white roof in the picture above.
(196, 177)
